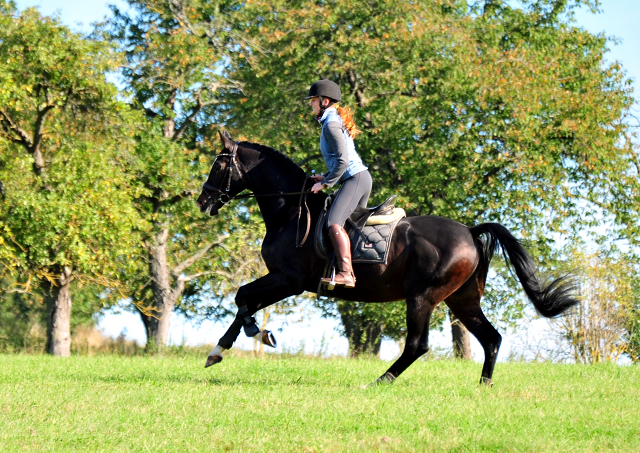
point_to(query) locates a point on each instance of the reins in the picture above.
(224, 197)
(303, 197)
(206, 187)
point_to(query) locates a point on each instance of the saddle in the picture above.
(369, 230)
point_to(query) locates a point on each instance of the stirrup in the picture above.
(332, 281)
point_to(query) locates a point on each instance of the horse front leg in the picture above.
(250, 298)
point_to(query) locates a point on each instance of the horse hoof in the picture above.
(386, 378)
(267, 338)
(486, 381)
(212, 360)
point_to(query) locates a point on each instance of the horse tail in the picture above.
(550, 299)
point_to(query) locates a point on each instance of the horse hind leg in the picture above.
(466, 306)
(420, 305)
(419, 310)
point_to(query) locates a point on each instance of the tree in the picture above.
(604, 326)
(66, 211)
(23, 318)
(172, 75)
(365, 325)
(494, 111)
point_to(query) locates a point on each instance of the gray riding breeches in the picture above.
(354, 191)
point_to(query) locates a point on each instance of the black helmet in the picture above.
(326, 89)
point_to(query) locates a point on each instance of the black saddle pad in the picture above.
(372, 244)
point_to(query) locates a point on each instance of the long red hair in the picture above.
(347, 118)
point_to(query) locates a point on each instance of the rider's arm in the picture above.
(334, 135)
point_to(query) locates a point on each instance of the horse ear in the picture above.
(226, 140)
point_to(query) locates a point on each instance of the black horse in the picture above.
(431, 259)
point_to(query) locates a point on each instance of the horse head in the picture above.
(225, 178)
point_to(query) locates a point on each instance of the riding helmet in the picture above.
(326, 89)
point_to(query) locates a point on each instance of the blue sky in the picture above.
(620, 19)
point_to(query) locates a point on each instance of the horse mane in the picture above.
(277, 155)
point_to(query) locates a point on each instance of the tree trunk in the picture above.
(364, 334)
(59, 315)
(167, 285)
(169, 128)
(157, 318)
(460, 338)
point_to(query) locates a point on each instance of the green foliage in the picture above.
(299, 404)
(174, 61)
(476, 117)
(633, 332)
(478, 111)
(604, 327)
(22, 318)
(65, 198)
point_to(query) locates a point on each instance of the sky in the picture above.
(619, 19)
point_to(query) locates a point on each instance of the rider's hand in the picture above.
(317, 178)
(317, 187)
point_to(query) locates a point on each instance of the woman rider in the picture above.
(345, 167)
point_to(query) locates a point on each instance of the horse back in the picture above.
(425, 252)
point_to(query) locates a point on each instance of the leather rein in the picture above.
(223, 195)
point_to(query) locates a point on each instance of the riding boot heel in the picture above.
(351, 282)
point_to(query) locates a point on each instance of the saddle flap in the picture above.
(321, 242)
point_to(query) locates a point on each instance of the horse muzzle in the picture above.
(207, 205)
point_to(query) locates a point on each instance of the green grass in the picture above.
(279, 404)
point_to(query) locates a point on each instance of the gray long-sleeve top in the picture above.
(333, 134)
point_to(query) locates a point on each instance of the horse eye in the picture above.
(217, 166)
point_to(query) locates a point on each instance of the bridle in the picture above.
(223, 196)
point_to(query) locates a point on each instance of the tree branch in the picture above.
(11, 125)
(197, 109)
(176, 271)
(150, 113)
(188, 278)
(37, 129)
(309, 159)
(225, 274)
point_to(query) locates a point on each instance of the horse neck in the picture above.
(266, 175)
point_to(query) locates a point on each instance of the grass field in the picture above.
(295, 404)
